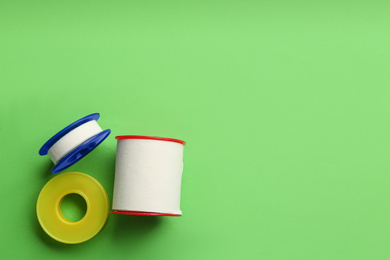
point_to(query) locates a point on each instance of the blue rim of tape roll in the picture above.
(80, 151)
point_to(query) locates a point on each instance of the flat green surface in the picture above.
(284, 106)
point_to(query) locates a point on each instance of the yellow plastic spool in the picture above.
(50, 214)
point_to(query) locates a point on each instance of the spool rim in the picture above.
(143, 213)
(46, 147)
(143, 137)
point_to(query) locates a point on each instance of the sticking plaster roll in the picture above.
(50, 215)
(148, 176)
(73, 139)
(74, 142)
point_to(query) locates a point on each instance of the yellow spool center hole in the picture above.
(73, 207)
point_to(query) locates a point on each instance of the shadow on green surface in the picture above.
(46, 170)
(133, 228)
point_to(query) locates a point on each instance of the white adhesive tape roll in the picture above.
(73, 139)
(148, 175)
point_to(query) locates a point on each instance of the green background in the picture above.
(284, 106)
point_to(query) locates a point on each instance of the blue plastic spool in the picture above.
(80, 151)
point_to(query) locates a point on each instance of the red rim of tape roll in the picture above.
(140, 213)
(122, 137)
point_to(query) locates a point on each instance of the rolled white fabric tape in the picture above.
(73, 139)
(148, 176)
